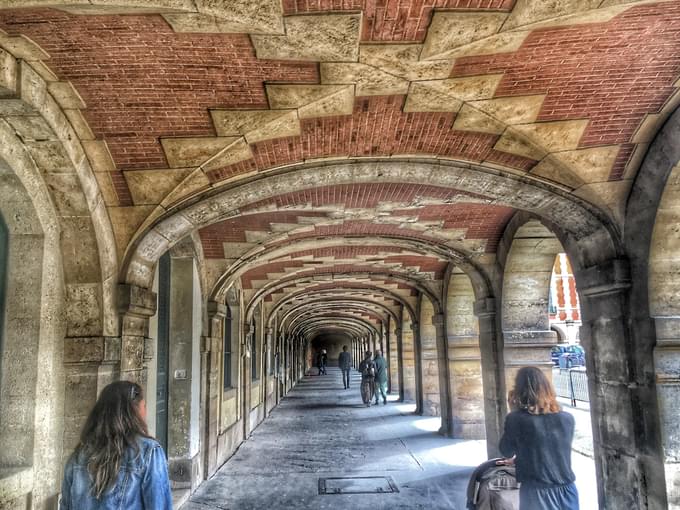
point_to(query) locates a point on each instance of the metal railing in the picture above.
(571, 384)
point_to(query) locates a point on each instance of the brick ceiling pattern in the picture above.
(408, 211)
(567, 93)
(392, 20)
(318, 259)
(567, 84)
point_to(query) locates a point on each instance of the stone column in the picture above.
(667, 369)
(247, 382)
(415, 328)
(136, 305)
(400, 364)
(267, 380)
(393, 349)
(429, 360)
(211, 361)
(618, 394)
(184, 339)
(387, 353)
(465, 370)
(439, 322)
(86, 359)
(409, 363)
(493, 378)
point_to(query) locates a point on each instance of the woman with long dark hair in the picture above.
(117, 464)
(538, 434)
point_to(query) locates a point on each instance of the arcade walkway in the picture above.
(322, 431)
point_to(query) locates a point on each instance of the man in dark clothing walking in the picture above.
(367, 369)
(345, 364)
(380, 377)
(321, 360)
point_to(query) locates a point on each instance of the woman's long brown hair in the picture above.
(533, 392)
(113, 426)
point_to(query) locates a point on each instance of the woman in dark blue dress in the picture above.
(538, 434)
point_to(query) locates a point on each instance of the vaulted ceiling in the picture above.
(175, 101)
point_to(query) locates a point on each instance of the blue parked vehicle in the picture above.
(567, 356)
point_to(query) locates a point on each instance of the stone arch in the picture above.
(651, 238)
(581, 221)
(4, 248)
(40, 144)
(622, 453)
(33, 330)
(465, 360)
(369, 290)
(259, 256)
(432, 405)
(528, 267)
(272, 287)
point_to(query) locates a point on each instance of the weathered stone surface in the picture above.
(241, 17)
(125, 222)
(555, 136)
(369, 81)
(450, 30)
(591, 165)
(8, 74)
(83, 305)
(554, 170)
(324, 38)
(150, 187)
(192, 152)
(526, 12)
(470, 118)
(511, 110)
(195, 181)
(449, 95)
(403, 60)
(237, 150)
(312, 100)
(256, 125)
(66, 95)
(503, 42)
(515, 142)
(22, 47)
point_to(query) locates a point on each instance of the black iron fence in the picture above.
(571, 384)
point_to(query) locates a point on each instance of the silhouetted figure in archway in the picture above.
(345, 364)
(321, 361)
(367, 369)
(380, 378)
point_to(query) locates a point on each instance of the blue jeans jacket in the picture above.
(142, 482)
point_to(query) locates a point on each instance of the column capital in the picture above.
(415, 326)
(608, 277)
(438, 320)
(397, 331)
(135, 300)
(216, 309)
(484, 307)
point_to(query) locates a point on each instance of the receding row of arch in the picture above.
(626, 278)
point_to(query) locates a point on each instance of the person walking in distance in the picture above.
(345, 364)
(324, 362)
(367, 369)
(380, 377)
(537, 440)
(117, 464)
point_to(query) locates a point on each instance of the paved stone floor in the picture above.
(322, 431)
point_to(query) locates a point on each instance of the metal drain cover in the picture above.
(357, 485)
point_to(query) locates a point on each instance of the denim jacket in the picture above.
(142, 482)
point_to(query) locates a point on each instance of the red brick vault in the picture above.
(366, 167)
